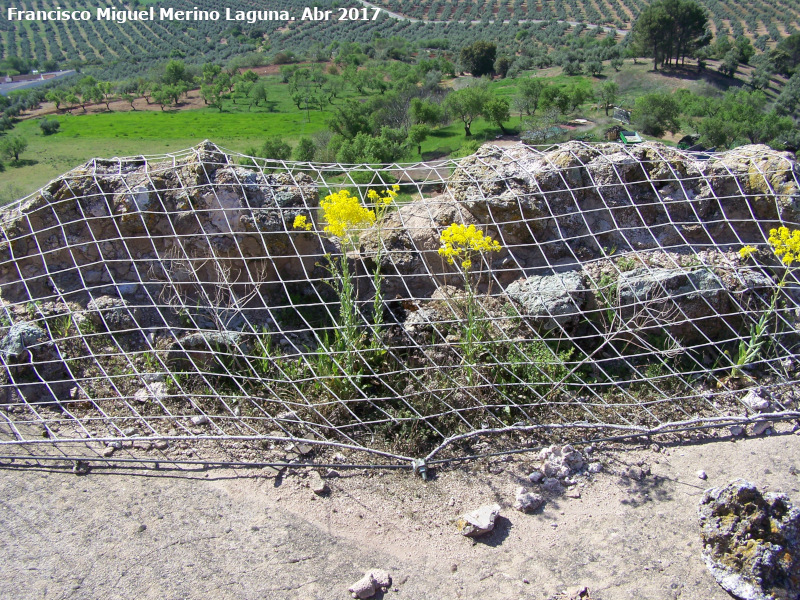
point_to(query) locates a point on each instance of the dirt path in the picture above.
(247, 534)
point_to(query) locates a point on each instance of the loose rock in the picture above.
(527, 501)
(152, 392)
(368, 586)
(200, 420)
(552, 485)
(478, 522)
(536, 477)
(635, 473)
(736, 430)
(702, 475)
(762, 427)
(755, 401)
(560, 461)
(317, 484)
(595, 467)
(751, 542)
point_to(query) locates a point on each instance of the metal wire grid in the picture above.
(170, 297)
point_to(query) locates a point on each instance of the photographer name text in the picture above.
(171, 14)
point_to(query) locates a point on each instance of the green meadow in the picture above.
(127, 133)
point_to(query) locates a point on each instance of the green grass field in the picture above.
(130, 133)
(109, 134)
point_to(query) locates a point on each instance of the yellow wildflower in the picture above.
(301, 222)
(383, 198)
(461, 242)
(345, 215)
(785, 244)
(747, 251)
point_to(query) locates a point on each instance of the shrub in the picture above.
(49, 126)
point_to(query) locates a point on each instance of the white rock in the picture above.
(368, 586)
(762, 427)
(200, 420)
(702, 475)
(595, 467)
(754, 401)
(553, 485)
(382, 578)
(152, 392)
(316, 483)
(364, 587)
(480, 521)
(736, 430)
(527, 501)
(536, 477)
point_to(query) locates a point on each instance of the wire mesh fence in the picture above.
(401, 311)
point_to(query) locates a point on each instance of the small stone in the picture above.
(332, 474)
(552, 485)
(702, 475)
(527, 501)
(762, 427)
(536, 477)
(368, 586)
(578, 593)
(736, 430)
(655, 447)
(595, 467)
(573, 493)
(382, 578)
(451, 502)
(129, 431)
(161, 445)
(480, 521)
(200, 420)
(635, 473)
(303, 449)
(109, 451)
(154, 392)
(317, 484)
(754, 401)
(141, 528)
(453, 568)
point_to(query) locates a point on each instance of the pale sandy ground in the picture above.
(228, 533)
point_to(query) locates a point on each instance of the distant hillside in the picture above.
(773, 18)
(113, 51)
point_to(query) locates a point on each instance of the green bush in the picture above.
(49, 126)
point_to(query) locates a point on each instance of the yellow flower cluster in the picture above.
(301, 222)
(345, 215)
(786, 244)
(747, 251)
(384, 198)
(461, 242)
